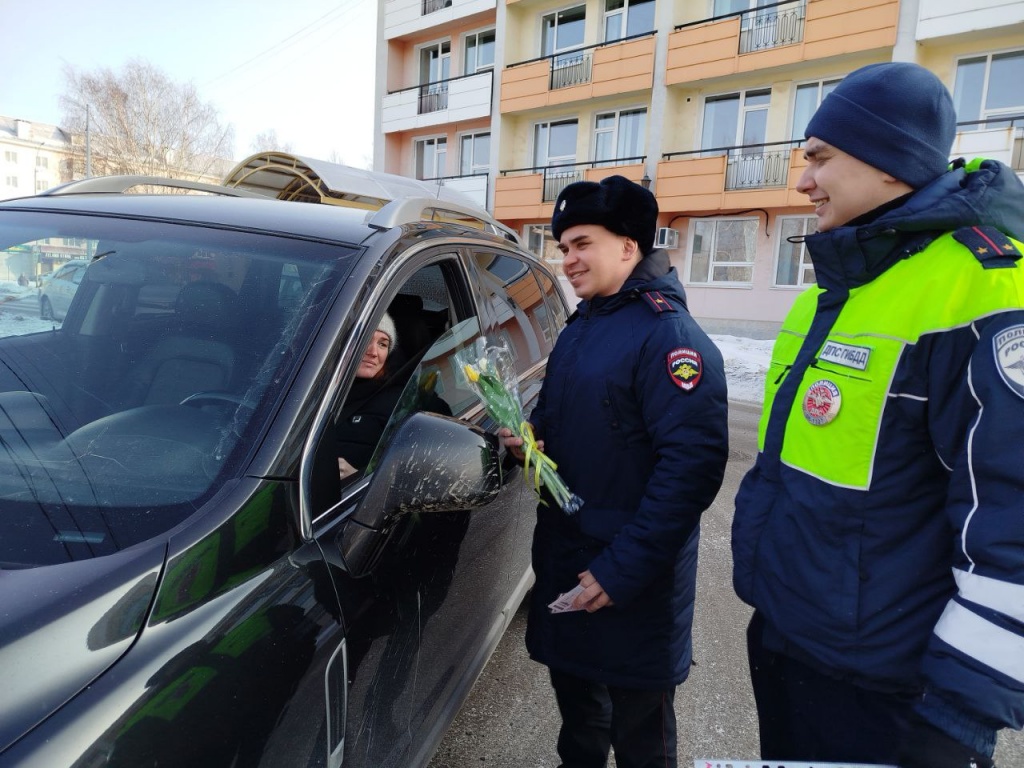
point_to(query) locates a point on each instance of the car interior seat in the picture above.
(196, 356)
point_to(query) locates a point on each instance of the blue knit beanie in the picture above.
(897, 117)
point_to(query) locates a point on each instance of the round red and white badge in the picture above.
(822, 402)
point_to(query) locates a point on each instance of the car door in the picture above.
(422, 622)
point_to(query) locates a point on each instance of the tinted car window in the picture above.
(516, 307)
(176, 347)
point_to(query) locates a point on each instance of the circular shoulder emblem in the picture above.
(1008, 347)
(822, 402)
(685, 368)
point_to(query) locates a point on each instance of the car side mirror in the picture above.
(432, 463)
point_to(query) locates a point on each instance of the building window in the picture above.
(42, 162)
(794, 267)
(722, 251)
(619, 135)
(540, 242)
(475, 154)
(808, 99)
(737, 123)
(625, 18)
(735, 119)
(11, 156)
(479, 52)
(563, 30)
(42, 186)
(988, 87)
(431, 157)
(554, 144)
(12, 182)
(435, 71)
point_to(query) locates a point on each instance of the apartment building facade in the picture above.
(705, 101)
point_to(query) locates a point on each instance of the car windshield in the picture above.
(128, 394)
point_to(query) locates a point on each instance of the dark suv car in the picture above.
(187, 581)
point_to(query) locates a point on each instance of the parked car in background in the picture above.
(186, 580)
(58, 288)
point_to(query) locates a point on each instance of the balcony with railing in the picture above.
(593, 71)
(778, 34)
(529, 193)
(996, 138)
(459, 98)
(728, 178)
(403, 18)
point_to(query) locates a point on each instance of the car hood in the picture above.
(61, 626)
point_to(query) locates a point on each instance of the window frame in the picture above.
(984, 114)
(623, 13)
(477, 68)
(710, 282)
(797, 132)
(804, 259)
(474, 168)
(616, 134)
(421, 141)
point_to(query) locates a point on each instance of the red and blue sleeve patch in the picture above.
(685, 368)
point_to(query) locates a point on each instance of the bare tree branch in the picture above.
(142, 122)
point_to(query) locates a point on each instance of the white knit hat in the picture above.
(387, 325)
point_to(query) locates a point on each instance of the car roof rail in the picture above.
(407, 210)
(115, 185)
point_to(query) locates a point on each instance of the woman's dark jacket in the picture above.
(633, 411)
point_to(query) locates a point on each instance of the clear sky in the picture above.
(303, 68)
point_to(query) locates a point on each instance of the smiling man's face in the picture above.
(596, 260)
(841, 187)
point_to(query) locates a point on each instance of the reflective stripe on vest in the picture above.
(941, 288)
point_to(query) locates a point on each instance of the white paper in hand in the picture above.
(563, 603)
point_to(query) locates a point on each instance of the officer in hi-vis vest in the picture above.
(880, 533)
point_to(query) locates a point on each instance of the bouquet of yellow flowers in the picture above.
(491, 374)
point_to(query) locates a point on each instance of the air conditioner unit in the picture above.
(666, 238)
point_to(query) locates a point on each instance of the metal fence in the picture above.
(433, 98)
(571, 69)
(429, 6)
(756, 170)
(762, 29)
(555, 180)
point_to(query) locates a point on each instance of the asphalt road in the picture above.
(511, 719)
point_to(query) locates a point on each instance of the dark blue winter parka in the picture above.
(633, 411)
(881, 530)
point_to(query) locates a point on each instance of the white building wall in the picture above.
(945, 18)
(406, 17)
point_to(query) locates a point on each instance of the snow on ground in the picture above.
(746, 364)
(746, 360)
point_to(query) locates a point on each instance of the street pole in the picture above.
(88, 149)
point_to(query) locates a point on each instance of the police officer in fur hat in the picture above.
(633, 411)
(879, 534)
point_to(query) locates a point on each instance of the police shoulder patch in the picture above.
(685, 368)
(990, 246)
(1008, 348)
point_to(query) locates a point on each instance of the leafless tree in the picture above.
(267, 141)
(139, 121)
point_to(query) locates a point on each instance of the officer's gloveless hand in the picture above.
(925, 746)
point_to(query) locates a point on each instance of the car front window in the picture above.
(128, 408)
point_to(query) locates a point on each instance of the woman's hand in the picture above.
(513, 444)
(593, 598)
